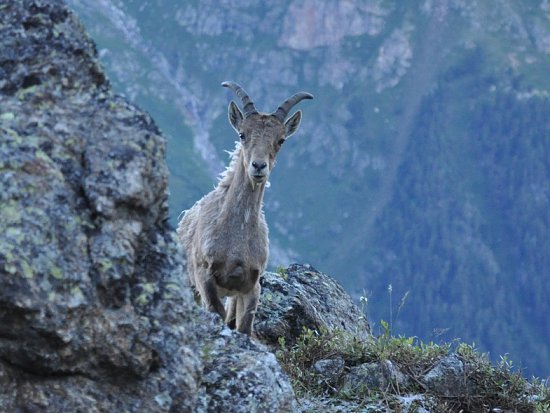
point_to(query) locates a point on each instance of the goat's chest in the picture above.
(238, 237)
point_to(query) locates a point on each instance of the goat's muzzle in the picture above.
(258, 172)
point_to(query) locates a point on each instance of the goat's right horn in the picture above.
(285, 107)
(248, 105)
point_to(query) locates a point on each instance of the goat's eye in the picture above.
(241, 135)
(281, 141)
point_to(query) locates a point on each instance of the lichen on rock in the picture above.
(95, 314)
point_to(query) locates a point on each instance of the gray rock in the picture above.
(305, 298)
(447, 378)
(330, 368)
(241, 375)
(95, 315)
(379, 376)
(83, 197)
(363, 378)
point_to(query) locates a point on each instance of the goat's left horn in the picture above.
(285, 107)
(248, 105)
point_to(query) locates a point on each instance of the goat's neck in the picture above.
(243, 201)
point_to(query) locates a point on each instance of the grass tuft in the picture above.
(491, 386)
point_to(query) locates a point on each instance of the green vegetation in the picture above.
(489, 385)
(281, 271)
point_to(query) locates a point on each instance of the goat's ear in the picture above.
(291, 125)
(235, 116)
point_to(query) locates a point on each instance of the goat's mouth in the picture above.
(257, 178)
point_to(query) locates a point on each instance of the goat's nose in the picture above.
(259, 165)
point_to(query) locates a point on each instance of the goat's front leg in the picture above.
(246, 309)
(209, 296)
(231, 310)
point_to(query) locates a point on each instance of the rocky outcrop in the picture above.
(301, 297)
(92, 307)
(308, 25)
(95, 315)
(241, 375)
(455, 382)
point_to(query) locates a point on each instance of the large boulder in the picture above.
(301, 297)
(95, 314)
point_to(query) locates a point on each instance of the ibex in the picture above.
(225, 234)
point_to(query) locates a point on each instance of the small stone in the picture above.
(329, 368)
(365, 377)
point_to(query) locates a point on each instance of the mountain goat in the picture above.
(225, 234)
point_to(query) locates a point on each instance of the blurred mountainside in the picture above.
(422, 163)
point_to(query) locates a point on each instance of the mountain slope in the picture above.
(421, 163)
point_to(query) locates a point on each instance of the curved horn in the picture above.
(285, 107)
(248, 105)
